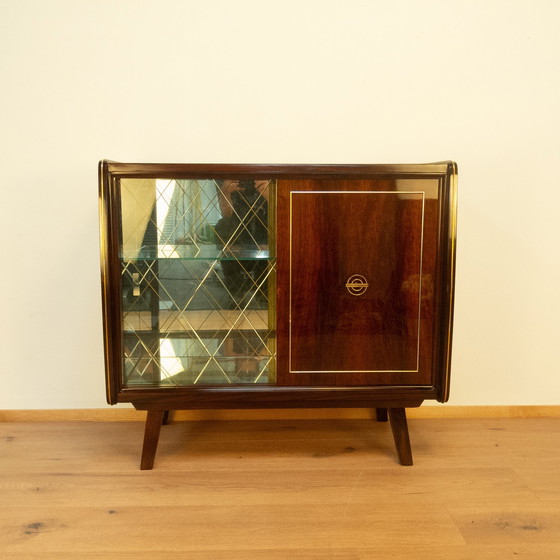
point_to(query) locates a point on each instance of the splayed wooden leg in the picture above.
(154, 420)
(399, 427)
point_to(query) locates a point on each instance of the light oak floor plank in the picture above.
(238, 527)
(485, 488)
(534, 552)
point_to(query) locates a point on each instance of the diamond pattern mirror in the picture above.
(198, 267)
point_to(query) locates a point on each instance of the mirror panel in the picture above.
(198, 274)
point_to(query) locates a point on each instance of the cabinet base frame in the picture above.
(158, 415)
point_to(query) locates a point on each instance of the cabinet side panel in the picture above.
(448, 242)
(110, 282)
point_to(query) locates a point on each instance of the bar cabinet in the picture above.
(277, 286)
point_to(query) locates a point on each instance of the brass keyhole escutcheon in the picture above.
(357, 284)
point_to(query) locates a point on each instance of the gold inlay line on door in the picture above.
(420, 193)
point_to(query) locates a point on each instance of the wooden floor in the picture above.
(279, 489)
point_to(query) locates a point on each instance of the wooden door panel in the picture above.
(353, 257)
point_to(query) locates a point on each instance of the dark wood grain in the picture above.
(330, 230)
(205, 170)
(253, 397)
(109, 202)
(381, 414)
(154, 421)
(399, 427)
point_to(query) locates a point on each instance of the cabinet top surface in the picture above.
(274, 170)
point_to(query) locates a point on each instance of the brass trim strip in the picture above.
(104, 208)
(353, 370)
(420, 282)
(452, 233)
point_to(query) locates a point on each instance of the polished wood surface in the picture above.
(265, 170)
(154, 421)
(399, 427)
(481, 489)
(329, 232)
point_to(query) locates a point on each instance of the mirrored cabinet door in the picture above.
(197, 261)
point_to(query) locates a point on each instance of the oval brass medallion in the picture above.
(357, 285)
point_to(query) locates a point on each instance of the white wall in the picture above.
(290, 81)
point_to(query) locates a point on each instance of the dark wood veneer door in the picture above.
(356, 265)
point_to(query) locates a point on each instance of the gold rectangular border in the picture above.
(423, 194)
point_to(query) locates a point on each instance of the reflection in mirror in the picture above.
(198, 274)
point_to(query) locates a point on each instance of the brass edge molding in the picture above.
(448, 188)
(104, 226)
(423, 412)
(453, 202)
